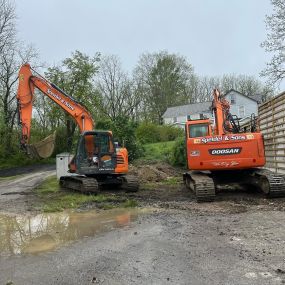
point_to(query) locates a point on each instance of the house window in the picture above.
(241, 111)
(233, 99)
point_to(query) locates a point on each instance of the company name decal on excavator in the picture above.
(222, 138)
(60, 100)
(225, 151)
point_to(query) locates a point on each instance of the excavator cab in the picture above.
(95, 153)
(198, 128)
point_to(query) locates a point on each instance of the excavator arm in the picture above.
(28, 81)
(224, 120)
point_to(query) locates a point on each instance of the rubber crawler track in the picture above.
(80, 183)
(201, 184)
(276, 183)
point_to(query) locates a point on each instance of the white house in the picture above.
(241, 105)
(178, 115)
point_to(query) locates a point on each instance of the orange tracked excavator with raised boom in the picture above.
(221, 153)
(97, 161)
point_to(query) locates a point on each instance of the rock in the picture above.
(280, 271)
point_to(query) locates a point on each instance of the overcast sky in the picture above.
(216, 36)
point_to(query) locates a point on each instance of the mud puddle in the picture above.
(47, 232)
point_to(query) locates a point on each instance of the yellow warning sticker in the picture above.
(250, 137)
(197, 141)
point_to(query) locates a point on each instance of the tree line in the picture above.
(159, 80)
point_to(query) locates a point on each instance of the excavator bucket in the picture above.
(43, 148)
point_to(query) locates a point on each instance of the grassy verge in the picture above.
(23, 160)
(8, 178)
(53, 199)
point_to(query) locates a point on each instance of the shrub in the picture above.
(151, 133)
(169, 133)
(161, 151)
(124, 132)
(147, 133)
(179, 153)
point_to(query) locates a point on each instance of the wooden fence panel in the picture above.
(272, 124)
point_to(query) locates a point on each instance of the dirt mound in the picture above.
(154, 172)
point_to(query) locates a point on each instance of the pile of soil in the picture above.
(154, 172)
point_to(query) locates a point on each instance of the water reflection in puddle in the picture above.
(46, 232)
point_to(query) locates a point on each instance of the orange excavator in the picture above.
(221, 153)
(97, 161)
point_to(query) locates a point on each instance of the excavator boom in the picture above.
(27, 84)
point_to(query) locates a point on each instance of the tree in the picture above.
(205, 88)
(245, 84)
(12, 54)
(10, 61)
(75, 76)
(163, 80)
(7, 24)
(118, 97)
(275, 43)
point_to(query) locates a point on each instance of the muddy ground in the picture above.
(238, 239)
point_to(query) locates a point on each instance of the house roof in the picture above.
(202, 107)
(257, 97)
(184, 110)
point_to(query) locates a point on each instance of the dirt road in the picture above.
(239, 239)
(13, 191)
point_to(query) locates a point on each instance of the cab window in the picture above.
(199, 130)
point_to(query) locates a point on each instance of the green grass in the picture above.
(174, 180)
(157, 152)
(53, 199)
(129, 203)
(171, 181)
(8, 178)
(23, 160)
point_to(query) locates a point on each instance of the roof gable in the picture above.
(253, 98)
